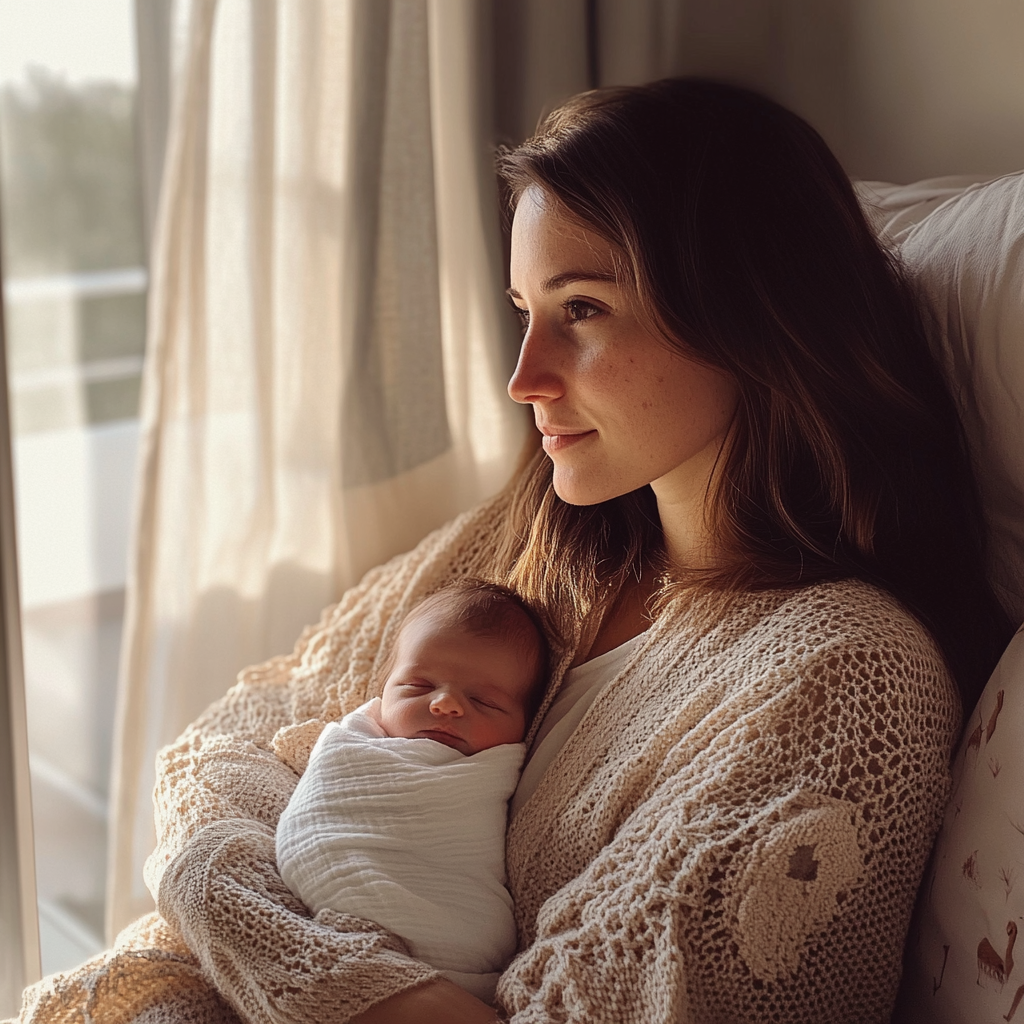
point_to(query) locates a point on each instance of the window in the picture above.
(74, 299)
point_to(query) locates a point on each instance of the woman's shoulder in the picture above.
(464, 544)
(847, 632)
(854, 610)
(830, 613)
(870, 640)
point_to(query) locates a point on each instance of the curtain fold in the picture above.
(327, 350)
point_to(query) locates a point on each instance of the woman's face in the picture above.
(617, 406)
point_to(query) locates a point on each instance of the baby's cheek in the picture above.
(391, 719)
(506, 732)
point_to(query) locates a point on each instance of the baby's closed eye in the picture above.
(481, 702)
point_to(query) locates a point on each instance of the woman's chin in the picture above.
(574, 491)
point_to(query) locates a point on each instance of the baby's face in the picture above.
(446, 684)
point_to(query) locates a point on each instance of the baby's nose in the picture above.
(445, 704)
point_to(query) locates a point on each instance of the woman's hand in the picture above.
(436, 1002)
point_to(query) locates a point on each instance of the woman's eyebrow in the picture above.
(552, 284)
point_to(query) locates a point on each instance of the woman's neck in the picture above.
(627, 618)
(682, 497)
(687, 542)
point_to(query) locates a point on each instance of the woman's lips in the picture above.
(559, 442)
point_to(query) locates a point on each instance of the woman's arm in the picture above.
(258, 944)
(437, 1002)
(220, 792)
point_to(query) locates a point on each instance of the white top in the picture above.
(580, 688)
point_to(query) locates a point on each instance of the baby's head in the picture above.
(467, 668)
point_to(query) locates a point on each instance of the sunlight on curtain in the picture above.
(328, 351)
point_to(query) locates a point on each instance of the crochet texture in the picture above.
(735, 832)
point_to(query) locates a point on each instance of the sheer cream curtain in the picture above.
(327, 353)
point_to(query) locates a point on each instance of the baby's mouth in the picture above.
(447, 738)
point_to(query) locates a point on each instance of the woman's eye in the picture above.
(578, 310)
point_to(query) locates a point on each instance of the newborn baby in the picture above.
(400, 816)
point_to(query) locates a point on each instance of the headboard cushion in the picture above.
(963, 245)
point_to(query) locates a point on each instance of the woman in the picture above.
(753, 529)
(732, 382)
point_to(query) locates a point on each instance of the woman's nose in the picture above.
(445, 704)
(536, 378)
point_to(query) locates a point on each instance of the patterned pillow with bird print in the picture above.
(960, 966)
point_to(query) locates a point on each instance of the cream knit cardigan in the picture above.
(734, 833)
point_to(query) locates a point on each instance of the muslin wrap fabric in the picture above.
(411, 834)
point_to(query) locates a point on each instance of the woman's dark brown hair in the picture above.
(749, 251)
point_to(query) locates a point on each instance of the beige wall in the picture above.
(902, 89)
(939, 88)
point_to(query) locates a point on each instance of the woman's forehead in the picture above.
(551, 247)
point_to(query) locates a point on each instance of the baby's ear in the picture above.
(294, 743)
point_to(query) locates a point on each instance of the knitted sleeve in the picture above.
(221, 789)
(766, 867)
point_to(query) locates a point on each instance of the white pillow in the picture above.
(964, 250)
(962, 963)
(893, 210)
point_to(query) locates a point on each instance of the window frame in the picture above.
(20, 955)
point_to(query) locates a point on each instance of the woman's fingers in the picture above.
(436, 1002)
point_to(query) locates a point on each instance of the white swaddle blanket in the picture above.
(410, 834)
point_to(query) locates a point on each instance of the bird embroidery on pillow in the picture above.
(991, 964)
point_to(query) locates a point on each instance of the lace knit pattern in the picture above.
(735, 832)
